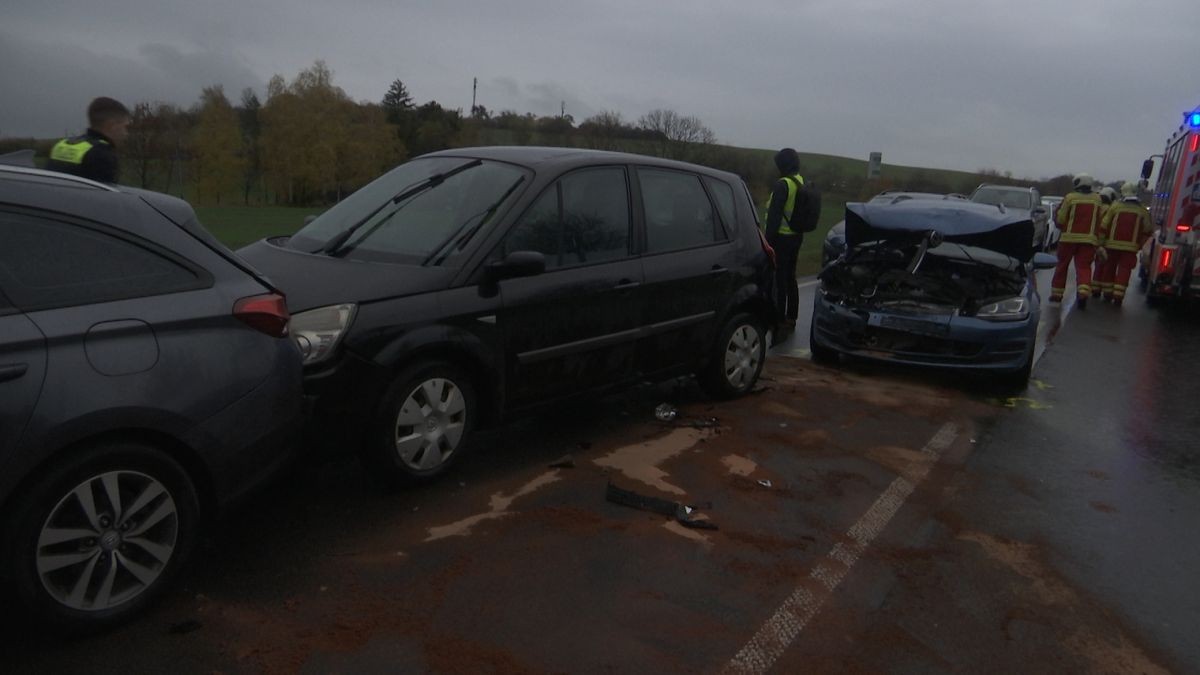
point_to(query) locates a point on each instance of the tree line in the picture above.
(310, 143)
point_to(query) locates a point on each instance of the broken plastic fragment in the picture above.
(666, 412)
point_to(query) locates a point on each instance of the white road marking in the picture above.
(779, 631)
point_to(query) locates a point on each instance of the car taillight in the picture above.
(264, 313)
(766, 247)
(1164, 261)
(1183, 227)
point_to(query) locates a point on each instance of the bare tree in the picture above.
(674, 132)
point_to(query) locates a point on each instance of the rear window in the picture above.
(1013, 199)
(47, 263)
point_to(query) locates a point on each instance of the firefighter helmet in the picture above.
(1129, 189)
(1108, 194)
(1083, 181)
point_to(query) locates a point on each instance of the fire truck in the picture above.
(1170, 262)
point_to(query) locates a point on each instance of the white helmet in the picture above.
(1083, 180)
(1129, 189)
(1109, 194)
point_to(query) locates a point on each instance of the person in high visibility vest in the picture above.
(781, 209)
(1128, 225)
(94, 154)
(1079, 219)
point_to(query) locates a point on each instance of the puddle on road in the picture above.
(640, 461)
(499, 504)
(738, 465)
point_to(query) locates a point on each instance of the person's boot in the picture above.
(1081, 302)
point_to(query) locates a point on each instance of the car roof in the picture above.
(550, 158)
(998, 186)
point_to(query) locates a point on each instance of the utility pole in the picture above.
(564, 110)
(474, 88)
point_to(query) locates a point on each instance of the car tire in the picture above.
(99, 537)
(424, 424)
(737, 358)
(820, 353)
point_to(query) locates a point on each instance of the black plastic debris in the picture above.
(564, 462)
(684, 514)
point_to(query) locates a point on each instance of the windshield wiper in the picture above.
(483, 216)
(335, 245)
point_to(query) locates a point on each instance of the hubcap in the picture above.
(107, 540)
(742, 356)
(430, 424)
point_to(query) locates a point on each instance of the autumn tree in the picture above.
(368, 148)
(217, 147)
(251, 128)
(302, 128)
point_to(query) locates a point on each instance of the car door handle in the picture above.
(717, 269)
(626, 284)
(11, 371)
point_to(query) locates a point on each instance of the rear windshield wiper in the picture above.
(483, 216)
(335, 245)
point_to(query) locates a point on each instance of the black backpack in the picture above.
(807, 209)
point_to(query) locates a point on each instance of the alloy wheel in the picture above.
(107, 541)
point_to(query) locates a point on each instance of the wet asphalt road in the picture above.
(1055, 532)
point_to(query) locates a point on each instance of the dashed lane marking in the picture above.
(779, 631)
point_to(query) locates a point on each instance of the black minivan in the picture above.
(468, 285)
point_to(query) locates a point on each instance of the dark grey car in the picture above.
(146, 381)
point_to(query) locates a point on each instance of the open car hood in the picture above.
(1008, 232)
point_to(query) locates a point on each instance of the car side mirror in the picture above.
(1044, 261)
(517, 264)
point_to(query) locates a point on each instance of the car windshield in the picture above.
(432, 217)
(1013, 199)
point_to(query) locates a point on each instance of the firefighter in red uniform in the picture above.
(1100, 285)
(1079, 220)
(1127, 223)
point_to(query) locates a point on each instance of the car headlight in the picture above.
(318, 331)
(1012, 309)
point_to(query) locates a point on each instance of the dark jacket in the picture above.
(91, 155)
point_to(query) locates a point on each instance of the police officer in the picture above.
(1079, 219)
(94, 154)
(780, 235)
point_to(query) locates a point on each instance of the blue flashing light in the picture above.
(1194, 120)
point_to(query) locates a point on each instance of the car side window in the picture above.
(722, 192)
(678, 213)
(582, 219)
(47, 263)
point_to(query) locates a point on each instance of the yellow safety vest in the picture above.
(789, 205)
(71, 151)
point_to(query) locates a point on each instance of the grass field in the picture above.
(237, 226)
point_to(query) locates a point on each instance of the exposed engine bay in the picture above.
(922, 274)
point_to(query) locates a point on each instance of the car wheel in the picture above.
(740, 352)
(99, 538)
(425, 421)
(820, 353)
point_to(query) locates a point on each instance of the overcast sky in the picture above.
(1037, 88)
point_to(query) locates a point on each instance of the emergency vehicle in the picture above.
(1171, 260)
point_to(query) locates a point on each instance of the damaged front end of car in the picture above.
(933, 283)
